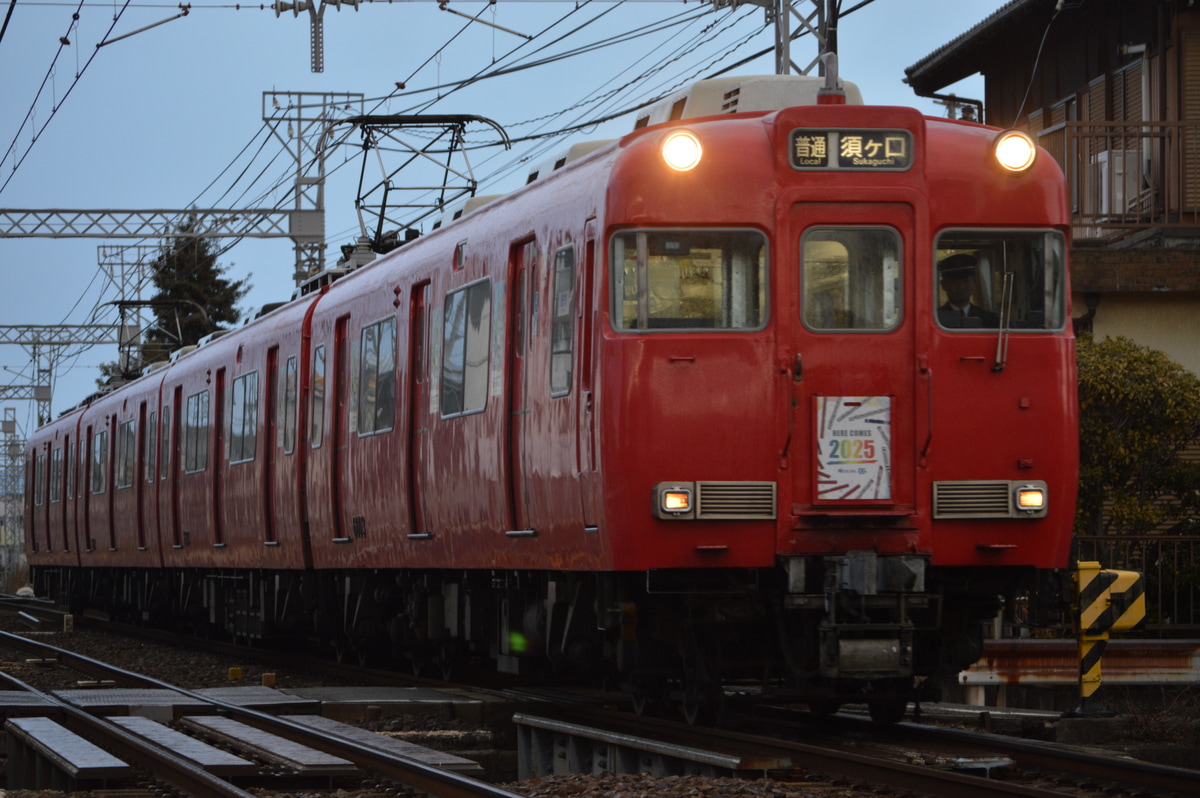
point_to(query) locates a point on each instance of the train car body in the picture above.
(673, 425)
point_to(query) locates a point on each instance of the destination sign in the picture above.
(862, 150)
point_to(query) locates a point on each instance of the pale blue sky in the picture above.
(154, 119)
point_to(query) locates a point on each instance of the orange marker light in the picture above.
(1031, 499)
(677, 501)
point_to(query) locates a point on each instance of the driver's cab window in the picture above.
(1000, 278)
(851, 278)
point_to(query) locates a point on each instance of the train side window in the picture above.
(562, 325)
(243, 418)
(377, 377)
(164, 459)
(100, 461)
(985, 277)
(71, 469)
(195, 433)
(318, 397)
(56, 474)
(851, 278)
(39, 479)
(151, 447)
(466, 338)
(689, 280)
(126, 449)
(289, 406)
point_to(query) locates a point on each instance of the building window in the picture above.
(243, 418)
(377, 377)
(465, 346)
(195, 433)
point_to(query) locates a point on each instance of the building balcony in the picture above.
(1126, 177)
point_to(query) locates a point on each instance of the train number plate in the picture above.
(854, 448)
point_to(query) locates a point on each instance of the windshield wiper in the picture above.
(1005, 320)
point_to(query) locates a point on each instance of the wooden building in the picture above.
(1111, 88)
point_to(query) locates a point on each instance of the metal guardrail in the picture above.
(1128, 175)
(1170, 566)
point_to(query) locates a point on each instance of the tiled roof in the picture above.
(963, 56)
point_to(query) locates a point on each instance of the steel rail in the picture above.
(162, 765)
(1040, 755)
(818, 758)
(1056, 757)
(408, 772)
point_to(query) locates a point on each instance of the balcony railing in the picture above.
(1128, 175)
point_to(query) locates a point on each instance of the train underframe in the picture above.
(823, 630)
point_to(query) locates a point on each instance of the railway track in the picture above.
(43, 616)
(160, 760)
(910, 758)
(858, 757)
(1104, 772)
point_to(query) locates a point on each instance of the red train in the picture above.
(697, 405)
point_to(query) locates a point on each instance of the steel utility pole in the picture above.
(298, 119)
(820, 20)
(12, 492)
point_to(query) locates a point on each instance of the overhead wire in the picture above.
(685, 18)
(548, 139)
(64, 42)
(503, 66)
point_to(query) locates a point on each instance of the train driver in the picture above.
(958, 274)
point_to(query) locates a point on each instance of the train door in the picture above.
(340, 419)
(418, 410)
(270, 444)
(523, 279)
(852, 360)
(139, 465)
(109, 485)
(586, 448)
(85, 488)
(221, 459)
(172, 447)
(68, 516)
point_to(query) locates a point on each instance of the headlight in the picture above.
(681, 150)
(1031, 499)
(677, 501)
(1015, 151)
(674, 501)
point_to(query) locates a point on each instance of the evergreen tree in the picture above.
(193, 299)
(1138, 413)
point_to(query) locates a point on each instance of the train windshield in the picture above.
(851, 278)
(1012, 277)
(689, 280)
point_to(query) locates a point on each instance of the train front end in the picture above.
(839, 395)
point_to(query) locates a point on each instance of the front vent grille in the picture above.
(729, 103)
(735, 500)
(972, 499)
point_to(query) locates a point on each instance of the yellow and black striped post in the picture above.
(1108, 601)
